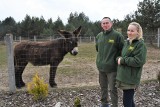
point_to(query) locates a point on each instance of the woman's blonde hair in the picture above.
(139, 29)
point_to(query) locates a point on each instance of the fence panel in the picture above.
(77, 70)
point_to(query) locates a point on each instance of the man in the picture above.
(109, 44)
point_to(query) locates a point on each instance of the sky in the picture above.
(94, 9)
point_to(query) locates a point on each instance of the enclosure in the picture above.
(75, 71)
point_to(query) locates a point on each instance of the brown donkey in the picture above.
(45, 53)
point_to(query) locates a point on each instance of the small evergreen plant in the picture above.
(77, 102)
(37, 88)
(158, 77)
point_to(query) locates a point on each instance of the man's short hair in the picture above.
(107, 18)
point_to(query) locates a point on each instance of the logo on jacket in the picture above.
(110, 41)
(131, 48)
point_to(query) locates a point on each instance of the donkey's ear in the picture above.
(77, 31)
(64, 33)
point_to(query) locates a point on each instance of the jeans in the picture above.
(128, 98)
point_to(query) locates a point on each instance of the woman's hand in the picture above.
(119, 61)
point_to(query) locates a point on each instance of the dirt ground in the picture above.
(88, 76)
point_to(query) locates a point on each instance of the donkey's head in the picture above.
(71, 40)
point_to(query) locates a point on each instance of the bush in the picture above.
(37, 88)
(77, 102)
(158, 77)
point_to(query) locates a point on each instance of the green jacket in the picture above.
(108, 45)
(131, 63)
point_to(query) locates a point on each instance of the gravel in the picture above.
(147, 96)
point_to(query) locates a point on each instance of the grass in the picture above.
(76, 64)
(153, 53)
(80, 69)
(87, 54)
(3, 55)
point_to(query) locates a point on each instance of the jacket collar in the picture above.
(133, 41)
(108, 31)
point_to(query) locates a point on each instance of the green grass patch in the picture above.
(87, 53)
(3, 55)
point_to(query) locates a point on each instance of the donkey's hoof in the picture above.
(20, 86)
(23, 84)
(53, 85)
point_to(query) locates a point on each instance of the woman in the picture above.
(130, 63)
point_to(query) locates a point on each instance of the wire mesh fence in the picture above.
(150, 39)
(77, 70)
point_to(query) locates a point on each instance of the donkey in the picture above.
(45, 53)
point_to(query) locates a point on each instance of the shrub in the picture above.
(77, 102)
(37, 88)
(158, 77)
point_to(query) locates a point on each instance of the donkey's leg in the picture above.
(53, 69)
(17, 76)
(21, 72)
(52, 76)
(19, 68)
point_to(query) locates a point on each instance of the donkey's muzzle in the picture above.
(75, 51)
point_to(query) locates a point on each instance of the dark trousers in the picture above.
(107, 83)
(128, 98)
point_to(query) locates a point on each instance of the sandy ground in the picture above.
(87, 76)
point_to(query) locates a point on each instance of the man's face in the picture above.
(106, 24)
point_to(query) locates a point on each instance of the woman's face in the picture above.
(132, 32)
(106, 24)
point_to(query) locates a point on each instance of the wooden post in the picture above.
(50, 38)
(15, 38)
(20, 39)
(11, 76)
(80, 40)
(34, 38)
